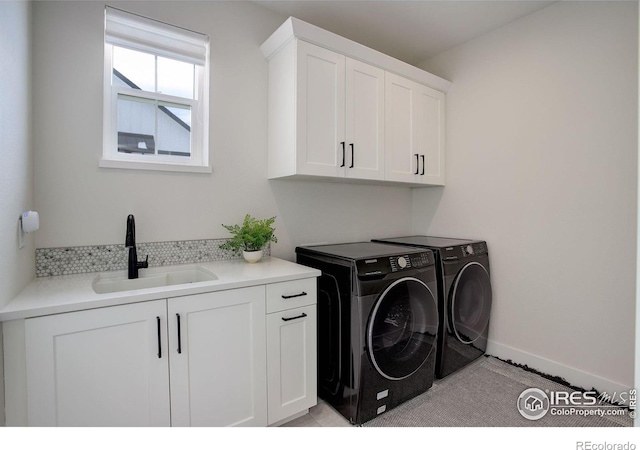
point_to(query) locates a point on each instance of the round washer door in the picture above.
(402, 328)
(470, 303)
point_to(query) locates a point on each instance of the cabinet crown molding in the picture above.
(294, 28)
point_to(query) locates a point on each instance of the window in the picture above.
(155, 95)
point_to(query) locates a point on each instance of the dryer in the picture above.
(464, 303)
(377, 325)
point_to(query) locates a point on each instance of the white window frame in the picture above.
(139, 33)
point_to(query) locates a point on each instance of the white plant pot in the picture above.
(252, 257)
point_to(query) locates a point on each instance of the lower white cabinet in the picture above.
(218, 359)
(291, 352)
(101, 367)
(197, 360)
(291, 347)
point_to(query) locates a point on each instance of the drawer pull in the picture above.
(293, 318)
(159, 338)
(302, 294)
(179, 335)
(352, 157)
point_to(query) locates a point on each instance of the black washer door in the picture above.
(402, 328)
(470, 303)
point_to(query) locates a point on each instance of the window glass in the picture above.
(133, 67)
(175, 78)
(174, 131)
(169, 124)
(135, 117)
(183, 113)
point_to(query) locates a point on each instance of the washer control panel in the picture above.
(411, 261)
(391, 264)
(474, 249)
(399, 262)
(422, 259)
(463, 251)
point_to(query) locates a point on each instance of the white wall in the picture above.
(541, 163)
(81, 204)
(16, 156)
(17, 266)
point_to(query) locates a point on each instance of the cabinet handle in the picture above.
(343, 154)
(352, 159)
(422, 156)
(302, 294)
(417, 164)
(179, 335)
(293, 318)
(159, 338)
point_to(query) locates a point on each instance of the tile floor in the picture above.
(321, 415)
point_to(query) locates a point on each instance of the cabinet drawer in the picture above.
(291, 294)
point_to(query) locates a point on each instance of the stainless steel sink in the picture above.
(104, 283)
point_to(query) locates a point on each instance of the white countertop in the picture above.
(59, 294)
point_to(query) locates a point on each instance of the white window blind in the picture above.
(141, 33)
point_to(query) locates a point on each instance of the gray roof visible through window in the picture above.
(136, 143)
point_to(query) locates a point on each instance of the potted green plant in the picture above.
(251, 237)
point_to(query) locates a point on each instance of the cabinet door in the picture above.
(218, 359)
(320, 140)
(414, 140)
(364, 121)
(429, 134)
(101, 367)
(291, 356)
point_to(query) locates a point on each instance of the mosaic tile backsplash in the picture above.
(102, 258)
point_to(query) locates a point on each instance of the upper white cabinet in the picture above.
(414, 132)
(336, 128)
(319, 122)
(339, 110)
(364, 157)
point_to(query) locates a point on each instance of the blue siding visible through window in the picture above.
(142, 139)
(164, 109)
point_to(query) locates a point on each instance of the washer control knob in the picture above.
(402, 262)
(470, 249)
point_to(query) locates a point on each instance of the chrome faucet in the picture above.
(130, 241)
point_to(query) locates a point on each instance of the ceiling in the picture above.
(410, 31)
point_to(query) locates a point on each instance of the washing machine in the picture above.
(464, 301)
(377, 325)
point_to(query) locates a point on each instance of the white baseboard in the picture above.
(573, 376)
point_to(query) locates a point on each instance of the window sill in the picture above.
(165, 167)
